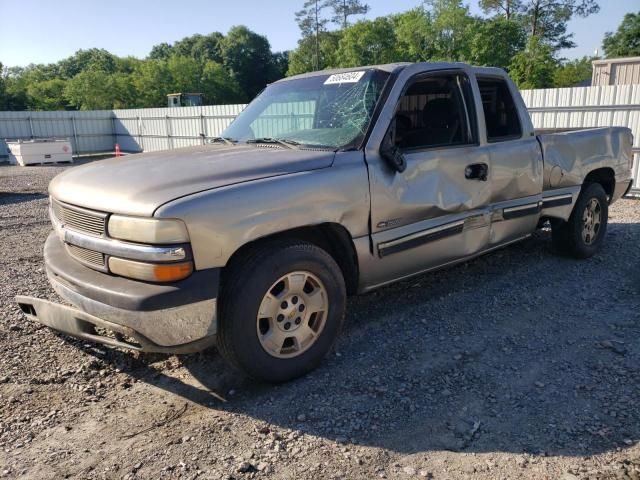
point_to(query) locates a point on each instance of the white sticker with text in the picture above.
(348, 77)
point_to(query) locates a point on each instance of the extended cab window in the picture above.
(500, 112)
(434, 112)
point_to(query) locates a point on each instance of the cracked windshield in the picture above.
(324, 111)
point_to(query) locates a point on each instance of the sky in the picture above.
(45, 31)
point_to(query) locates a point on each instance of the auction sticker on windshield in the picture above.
(348, 77)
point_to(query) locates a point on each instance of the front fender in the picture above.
(222, 220)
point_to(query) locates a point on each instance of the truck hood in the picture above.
(139, 184)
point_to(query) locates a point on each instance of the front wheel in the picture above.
(583, 234)
(282, 307)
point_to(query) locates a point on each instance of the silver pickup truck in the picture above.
(327, 184)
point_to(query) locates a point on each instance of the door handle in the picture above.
(479, 171)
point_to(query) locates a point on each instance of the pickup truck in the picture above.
(328, 184)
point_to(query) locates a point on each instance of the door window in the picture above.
(500, 112)
(435, 112)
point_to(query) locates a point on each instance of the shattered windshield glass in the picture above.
(330, 111)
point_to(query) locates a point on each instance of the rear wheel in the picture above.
(583, 234)
(282, 307)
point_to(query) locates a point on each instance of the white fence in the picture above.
(134, 130)
(152, 129)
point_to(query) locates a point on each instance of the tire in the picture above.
(582, 236)
(257, 286)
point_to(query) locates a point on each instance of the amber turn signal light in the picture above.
(150, 272)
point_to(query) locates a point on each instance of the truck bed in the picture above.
(569, 155)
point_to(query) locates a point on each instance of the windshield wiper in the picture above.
(279, 141)
(225, 140)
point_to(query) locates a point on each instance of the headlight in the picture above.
(150, 272)
(148, 230)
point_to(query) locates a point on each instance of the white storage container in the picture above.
(42, 151)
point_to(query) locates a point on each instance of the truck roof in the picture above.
(394, 67)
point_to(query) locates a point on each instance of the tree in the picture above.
(573, 73)
(3, 89)
(343, 9)
(217, 85)
(124, 92)
(280, 62)
(94, 59)
(302, 59)
(153, 81)
(548, 19)
(47, 94)
(488, 34)
(414, 33)
(162, 51)
(508, 8)
(185, 73)
(200, 47)
(16, 84)
(535, 66)
(452, 27)
(90, 90)
(248, 57)
(367, 42)
(626, 41)
(310, 21)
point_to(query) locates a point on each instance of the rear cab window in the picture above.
(500, 111)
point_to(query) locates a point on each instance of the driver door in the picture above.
(436, 211)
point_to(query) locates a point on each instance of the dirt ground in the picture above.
(519, 364)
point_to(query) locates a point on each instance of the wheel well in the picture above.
(333, 238)
(605, 177)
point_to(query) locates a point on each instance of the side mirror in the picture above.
(390, 151)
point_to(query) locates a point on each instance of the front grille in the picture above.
(87, 256)
(82, 220)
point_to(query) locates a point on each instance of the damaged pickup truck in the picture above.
(327, 184)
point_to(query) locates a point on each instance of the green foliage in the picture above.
(452, 29)
(90, 90)
(310, 19)
(3, 89)
(302, 59)
(508, 8)
(200, 47)
(522, 36)
(218, 87)
(535, 66)
(47, 94)
(570, 74)
(414, 31)
(343, 9)
(368, 42)
(225, 69)
(82, 60)
(547, 20)
(248, 57)
(162, 51)
(153, 81)
(496, 42)
(625, 42)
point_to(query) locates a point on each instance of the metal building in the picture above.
(616, 71)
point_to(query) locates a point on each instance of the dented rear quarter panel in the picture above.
(570, 156)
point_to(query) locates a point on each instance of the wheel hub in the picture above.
(292, 314)
(591, 221)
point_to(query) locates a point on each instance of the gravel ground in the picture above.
(519, 364)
